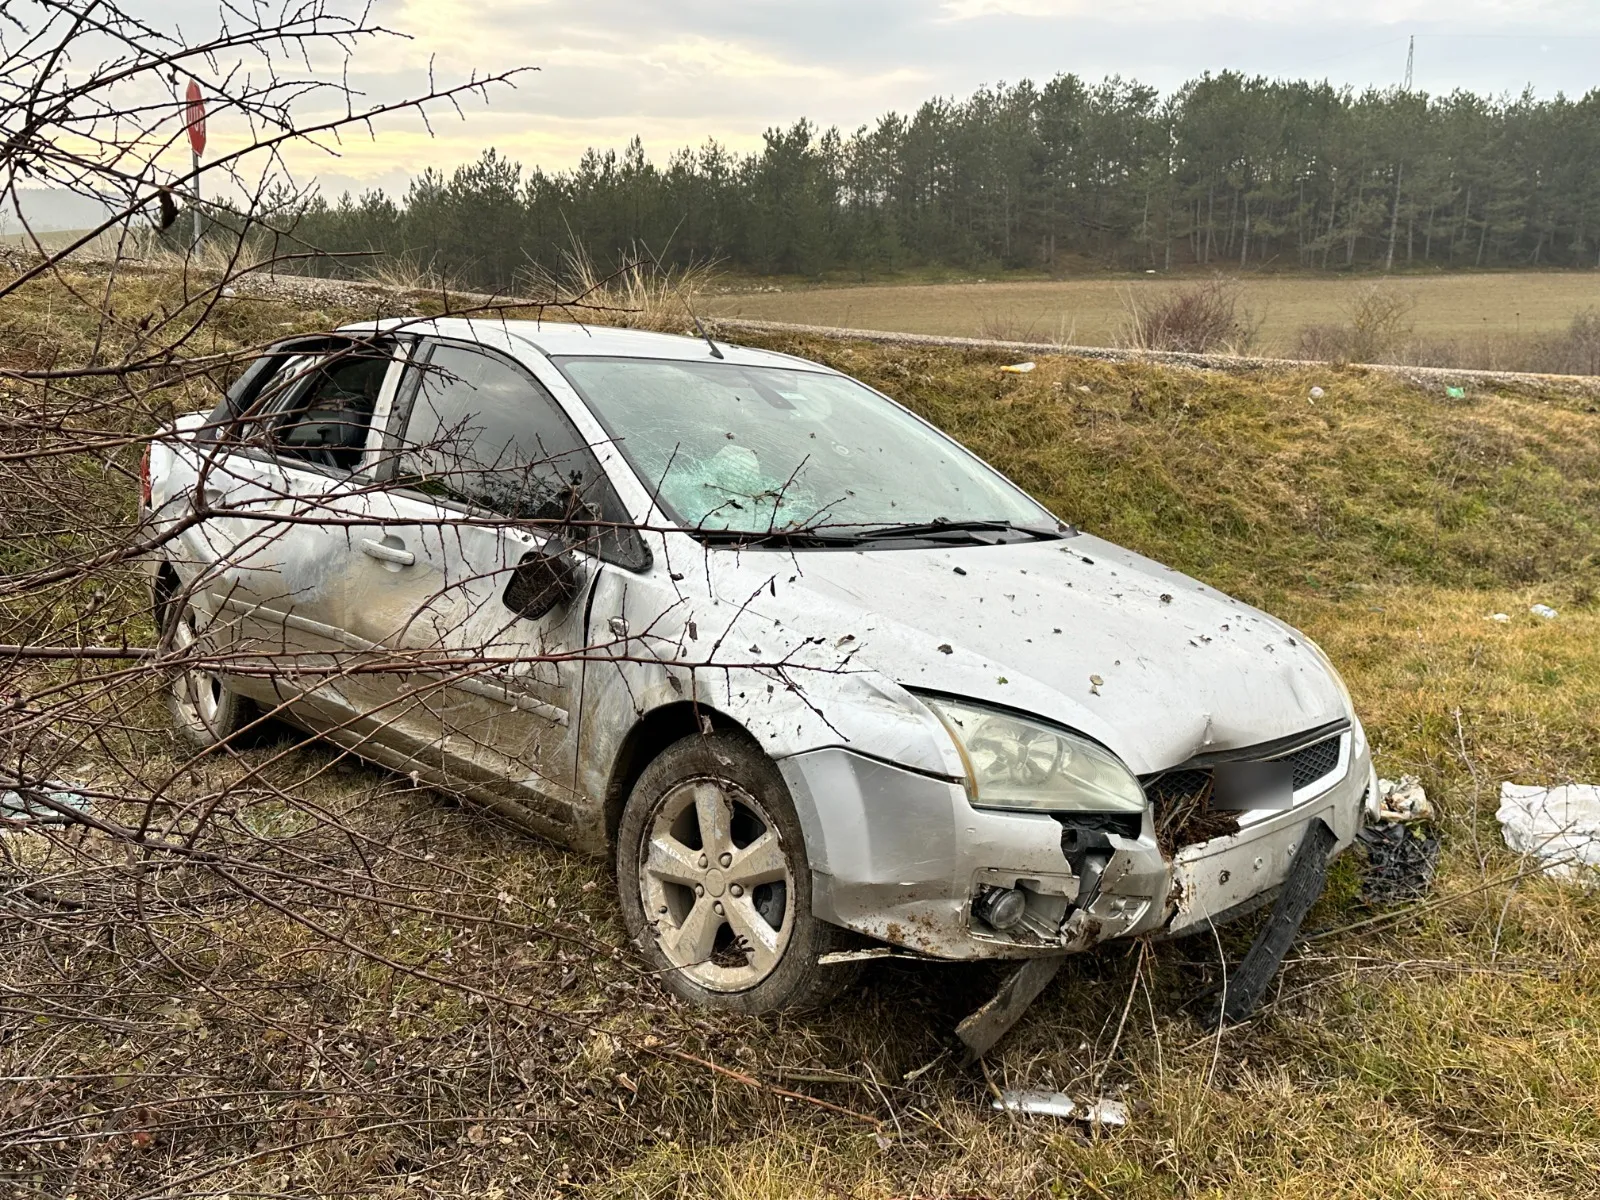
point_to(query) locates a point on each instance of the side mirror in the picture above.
(543, 580)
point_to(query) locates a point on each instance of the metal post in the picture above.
(196, 200)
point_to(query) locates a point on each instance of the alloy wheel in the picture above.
(716, 885)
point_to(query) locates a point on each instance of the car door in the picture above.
(461, 685)
(283, 480)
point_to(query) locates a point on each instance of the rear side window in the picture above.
(317, 408)
(327, 418)
(483, 432)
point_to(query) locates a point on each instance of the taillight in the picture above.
(144, 477)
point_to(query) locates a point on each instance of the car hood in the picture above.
(1144, 659)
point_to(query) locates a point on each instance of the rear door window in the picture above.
(317, 408)
(326, 420)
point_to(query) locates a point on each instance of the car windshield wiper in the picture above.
(936, 529)
(799, 538)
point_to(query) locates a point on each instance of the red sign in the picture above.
(194, 114)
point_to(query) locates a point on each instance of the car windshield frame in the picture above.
(1030, 520)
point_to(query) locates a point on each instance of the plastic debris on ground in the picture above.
(1456, 393)
(1502, 618)
(1019, 368)
(1401, 860)
(1560, 825)
(20, 806)
(1059, 1104)
(1545, 611)
(1317, 393)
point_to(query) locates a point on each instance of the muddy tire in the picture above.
(714, 881)
(205, 711)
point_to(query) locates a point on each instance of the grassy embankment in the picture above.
(1452, 1050)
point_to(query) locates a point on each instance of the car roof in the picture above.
(556, 338)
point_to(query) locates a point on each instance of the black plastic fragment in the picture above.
(1307, 873)
(1400, 863)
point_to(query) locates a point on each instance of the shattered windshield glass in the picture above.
(730, 447)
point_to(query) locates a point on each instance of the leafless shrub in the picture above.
(1377, 325)
(1200, 318)
(1009, 326)
(1574, 350)
(252, 967)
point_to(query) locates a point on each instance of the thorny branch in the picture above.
(261, 963)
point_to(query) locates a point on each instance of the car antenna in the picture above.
(715, 353)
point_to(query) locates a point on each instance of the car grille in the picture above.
(1314, 761)
(1179, 798)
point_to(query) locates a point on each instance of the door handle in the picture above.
(398, 555)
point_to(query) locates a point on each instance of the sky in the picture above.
(677, 72)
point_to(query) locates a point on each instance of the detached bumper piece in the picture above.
(982, 1029)
(1307, 873)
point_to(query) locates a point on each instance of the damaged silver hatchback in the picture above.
(815, 677)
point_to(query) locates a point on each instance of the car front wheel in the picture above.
(714, 881)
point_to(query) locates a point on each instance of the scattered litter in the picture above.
(1456, 393)
(17, 805)
(1545, 611)
(1503, 618)
(1317, 393)
(1560, 825)
(1400, 863)
(1021, 368)
(1401, 800)
(1082, 387)
(229, 292)
(1059, 1104)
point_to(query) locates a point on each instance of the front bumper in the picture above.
(899, 856)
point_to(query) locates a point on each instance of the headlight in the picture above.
(1017, 763)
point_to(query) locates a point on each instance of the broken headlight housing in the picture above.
(1015, 762)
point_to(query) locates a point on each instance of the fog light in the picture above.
(1000, 908)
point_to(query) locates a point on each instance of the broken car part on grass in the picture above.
(810, 671)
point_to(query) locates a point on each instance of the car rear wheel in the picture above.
(714, 881)
(205, 710)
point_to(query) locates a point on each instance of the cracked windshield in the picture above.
(763, 449)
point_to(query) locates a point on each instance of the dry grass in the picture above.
(467, 1027)
(639, 294)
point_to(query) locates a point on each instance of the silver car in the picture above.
(816, 677)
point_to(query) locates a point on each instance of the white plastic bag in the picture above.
(1560, 825)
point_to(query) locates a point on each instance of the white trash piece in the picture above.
(1502, 618)
(1059, 1104)
(1560, 825)
(1317, 393)
(1021, 368)
(1400, 800)
(1545, 611)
